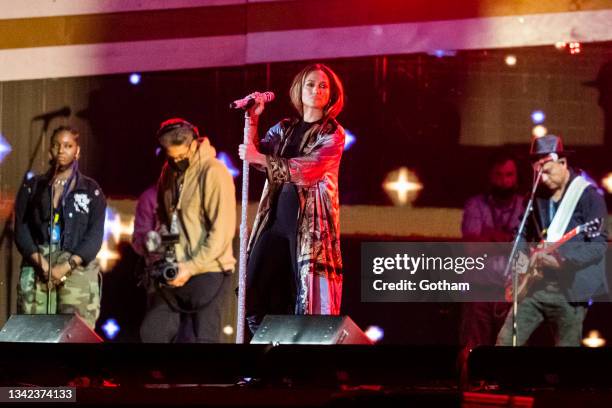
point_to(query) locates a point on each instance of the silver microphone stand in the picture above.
(517, 239)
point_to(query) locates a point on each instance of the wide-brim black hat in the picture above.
(545, 145)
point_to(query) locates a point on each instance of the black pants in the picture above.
(204, 296)
(272, 267)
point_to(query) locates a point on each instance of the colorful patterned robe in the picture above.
(315, 175)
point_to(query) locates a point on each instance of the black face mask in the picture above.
(180, 166)
(503, 193)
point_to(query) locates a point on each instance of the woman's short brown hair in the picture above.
(336, 96)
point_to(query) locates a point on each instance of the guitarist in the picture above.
(574, 273)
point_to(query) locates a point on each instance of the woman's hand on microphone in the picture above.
(258, 106)
(249, 153)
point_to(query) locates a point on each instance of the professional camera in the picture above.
(165, 268)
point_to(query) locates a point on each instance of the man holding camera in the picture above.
(196, 199)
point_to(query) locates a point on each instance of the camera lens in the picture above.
(170, 272)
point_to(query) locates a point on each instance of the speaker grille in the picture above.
(56, 328)
(290, 329)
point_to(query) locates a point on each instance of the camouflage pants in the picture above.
(80, 293)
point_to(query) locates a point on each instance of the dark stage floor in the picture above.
(297, 375)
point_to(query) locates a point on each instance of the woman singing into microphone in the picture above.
(62, 212)
(294, 264)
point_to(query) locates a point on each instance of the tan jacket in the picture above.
(207, 213)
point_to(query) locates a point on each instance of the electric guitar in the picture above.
(526, 280)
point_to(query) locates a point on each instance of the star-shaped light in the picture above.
(402, 186)
(111, 328)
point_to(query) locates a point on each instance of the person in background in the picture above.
(492, 216)
(59, 227)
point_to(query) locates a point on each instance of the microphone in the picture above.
(65, 111)
(248, 101)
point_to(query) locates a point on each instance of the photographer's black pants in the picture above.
(203, 296)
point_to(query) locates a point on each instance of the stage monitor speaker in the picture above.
(309, 329)
(58, 328)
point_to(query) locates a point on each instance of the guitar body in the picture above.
(525, 283)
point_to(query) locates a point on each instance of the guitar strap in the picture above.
(566, 209)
